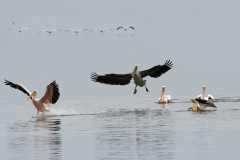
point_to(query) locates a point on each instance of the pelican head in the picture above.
(203, 87)
(135, 68)
(34, 94)
(163, 88)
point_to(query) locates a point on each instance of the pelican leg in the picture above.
(146, 88)
(135, 90)
(190, 108)
(37, 113)
(42, 114)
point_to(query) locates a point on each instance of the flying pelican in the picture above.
(51, 95)
(125, 28)
(76, 30)
(20, 30)
(49, 31)
(124, 79)
(164, 98)
(200, 104)
(202, 96)
(104, 29)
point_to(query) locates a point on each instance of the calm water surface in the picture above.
(121, 128)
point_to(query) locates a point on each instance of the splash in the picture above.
(60, 112)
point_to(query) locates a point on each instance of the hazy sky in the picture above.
(201, 37)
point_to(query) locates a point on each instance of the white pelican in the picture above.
(200, 104)
(20, 30)
(49, 31)
(104, 29)
(125, 28)
(51, 95)
(124, 79)
(164, 98)
(76, 30)
(202, 96)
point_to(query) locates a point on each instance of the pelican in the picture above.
(125, 28)
(51, 95)
(20, 30)
(164, 98)
(49, 31)
(200, 104)
(76, 30)
(124, 79)
(202, 96)
(104, 29)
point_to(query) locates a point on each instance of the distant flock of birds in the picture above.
(52, 94)
(73, 30)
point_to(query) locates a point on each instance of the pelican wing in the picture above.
(83, 29)
(158, 70)
(112, 79)
(206, 103)
(119, 27)
(52, 94)
(131, 27)
(195, 105)
(17, 86)
(26, 27)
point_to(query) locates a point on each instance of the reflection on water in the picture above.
(137, 134)
(39, 139)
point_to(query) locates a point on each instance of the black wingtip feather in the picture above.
(56, 93)
(94, 76)
(169, 63)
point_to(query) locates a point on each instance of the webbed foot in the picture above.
(135, 91)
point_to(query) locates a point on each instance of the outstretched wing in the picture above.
(17, 86)
(26, 27)
(195, 104)
(52, 94)
(131, 27)
(112, 79)
(119, 27)
(158, 70)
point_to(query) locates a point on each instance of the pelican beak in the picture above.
(32, 95)
(29, 97)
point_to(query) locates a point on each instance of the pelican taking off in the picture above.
(202, 96)
(125, 28)
(49, 31)
(51, 95)
(76, 30)
(200, 104)
(20, 30)
(124, 79)
(104, 29)
(164, 98)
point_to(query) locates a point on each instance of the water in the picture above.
(121, 128)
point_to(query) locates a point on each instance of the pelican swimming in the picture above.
(200, 104)
(125, 28)
(202, 96)
(164, 98)
(51, 95)
(124, 79)
(20, 30)
(49, 31)
(76, 30)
